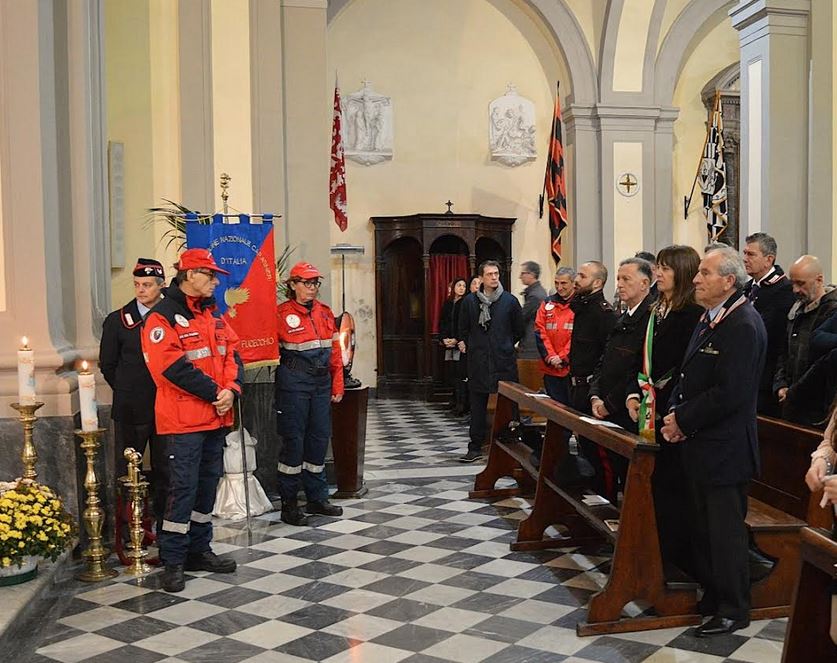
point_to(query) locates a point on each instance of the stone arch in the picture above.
(565, 30)
(694, 22)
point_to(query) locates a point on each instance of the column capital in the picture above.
(749, 15)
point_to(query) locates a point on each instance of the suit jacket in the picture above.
(122, 364)
(716, 394)
(617, 365)
(490, 353)
(533, 296)
(773, 301)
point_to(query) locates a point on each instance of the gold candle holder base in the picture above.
(137, 490)
(29, 455)
(93, 516)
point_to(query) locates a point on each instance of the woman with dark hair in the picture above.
(673, 318)
(454, 362)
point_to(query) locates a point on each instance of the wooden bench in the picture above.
(637, 569)
(779, 506)
(807, 637)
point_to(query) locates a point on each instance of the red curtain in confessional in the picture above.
(444, 268)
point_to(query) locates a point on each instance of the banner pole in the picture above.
(246, 472)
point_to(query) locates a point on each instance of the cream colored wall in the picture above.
(718, 50)
(441, 88)
(2, 250)
(629, 58)
(231, 100)
(129, 112)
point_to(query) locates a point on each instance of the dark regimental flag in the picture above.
(337, 176)
(247, 296)
(554, 183)
(712, 176)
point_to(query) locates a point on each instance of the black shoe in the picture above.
(471, 456)
(324, 508)
(293, 515)
(209, 561)
(173, 579)
(720, 626)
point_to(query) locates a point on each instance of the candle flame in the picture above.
(24, 342)
(84, 366)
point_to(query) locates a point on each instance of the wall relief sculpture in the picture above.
(511, 128)
(367, 118)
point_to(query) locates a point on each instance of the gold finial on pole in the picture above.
(225, 193)
(29, 454)
(93, 516)
(137, 488)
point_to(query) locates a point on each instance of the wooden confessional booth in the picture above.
(416, 257)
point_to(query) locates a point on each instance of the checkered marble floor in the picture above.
(414, 572)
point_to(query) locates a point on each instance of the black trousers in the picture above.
(721, 547)
(479, 420)
(138, 436)
(605, 481)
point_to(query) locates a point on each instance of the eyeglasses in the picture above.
(311, 283)
(207, 272)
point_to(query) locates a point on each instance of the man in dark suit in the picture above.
(771, 292)
(490, 323)
(713, 415)
(122, 364)
(616, 367)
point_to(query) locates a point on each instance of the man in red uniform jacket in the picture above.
(309, 378)
(192, 356)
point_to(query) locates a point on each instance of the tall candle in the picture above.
(87, 398)
(25, 373)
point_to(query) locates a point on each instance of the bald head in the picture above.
(806, 276)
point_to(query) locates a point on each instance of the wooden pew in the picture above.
(637, 569)
(807, 637)
(780, 505)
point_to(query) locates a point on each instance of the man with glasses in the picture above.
(192, 356)
(308, 380)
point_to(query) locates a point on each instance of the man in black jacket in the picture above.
(533, 296)
(713, 415)
(771, 293)
(616, 368)
(815, 304)
(594, 319)
(121, 363)
(490, 323)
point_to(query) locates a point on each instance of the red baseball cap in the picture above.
(197, 259)
(304, 271)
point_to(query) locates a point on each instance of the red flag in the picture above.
(337, 178)
(554, 183)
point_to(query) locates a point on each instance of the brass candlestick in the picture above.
(29, 455)
(137, 488)
(93, 516)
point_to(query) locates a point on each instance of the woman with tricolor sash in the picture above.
(670, 325)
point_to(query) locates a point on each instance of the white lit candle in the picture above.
(87, 398)
(25, 373)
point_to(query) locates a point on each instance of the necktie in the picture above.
(754, 292)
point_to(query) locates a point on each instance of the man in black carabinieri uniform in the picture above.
(121, 363)
(713, 415)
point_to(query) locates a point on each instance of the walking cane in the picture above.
(246, 473)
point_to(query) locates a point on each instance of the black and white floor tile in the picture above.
(414, 572)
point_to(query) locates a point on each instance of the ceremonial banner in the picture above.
(337, 175)
(554, 183)
(712, 176)
(247, 297)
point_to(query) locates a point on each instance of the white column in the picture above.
(774, 36)
(584, 196)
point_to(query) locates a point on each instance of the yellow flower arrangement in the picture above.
(33, 522)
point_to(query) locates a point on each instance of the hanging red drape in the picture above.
(444, 268)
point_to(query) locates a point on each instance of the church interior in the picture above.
(109, 108)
